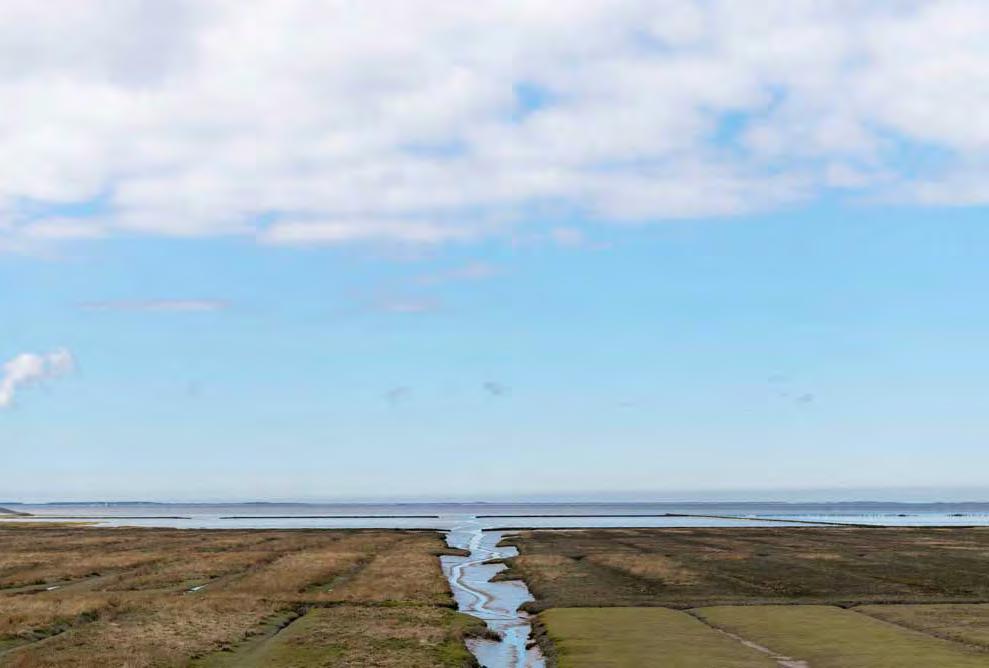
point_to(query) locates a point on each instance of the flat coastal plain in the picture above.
(795, 597)
(735, 597)
(88, 596)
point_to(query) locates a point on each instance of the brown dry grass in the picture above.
(199, 567)
(138, 612)
(357, 636)
(42, 568)
(651, 566)
(23, 616)
(296, 572)
(293, 573)
(407, 571)
(548, 566)
(688, 567)
(166, 631)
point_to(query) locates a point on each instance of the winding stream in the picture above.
(497, 603)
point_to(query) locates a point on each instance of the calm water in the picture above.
(446, 516)
(497, 603)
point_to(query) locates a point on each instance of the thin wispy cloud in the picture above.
(472, 271)
(786, 391)
(29, 369)
(567, 236)
(495, 389)
(398, 395)
(407, 305)
(158, 305)
(460, 125)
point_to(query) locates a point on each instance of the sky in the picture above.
(437, 250)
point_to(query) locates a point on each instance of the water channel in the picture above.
(497, 603)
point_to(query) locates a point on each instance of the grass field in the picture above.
(679, 598)
(161, 597)
(600, 592)
(602, 637)
(346, 635)
(691, 567)
(829, 637)
(967, 624)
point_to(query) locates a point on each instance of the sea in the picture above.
(444, 516)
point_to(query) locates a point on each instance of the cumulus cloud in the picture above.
(29, 368)
(303, 123)
(160, 305)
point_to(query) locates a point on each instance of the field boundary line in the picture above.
(782, 660)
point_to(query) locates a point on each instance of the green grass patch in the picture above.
(830, 637)
(600, 637)
(967, 624)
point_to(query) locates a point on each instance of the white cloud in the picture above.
(567, 236)
(29, 368)
(410, 305)
(344, 231)
(60, 229)
(160, 305)
(472, 271)
(329, 123)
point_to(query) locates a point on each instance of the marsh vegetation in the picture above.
(821, 597)
(161, 597)
(691, 567)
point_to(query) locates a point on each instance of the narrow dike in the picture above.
(497, 603)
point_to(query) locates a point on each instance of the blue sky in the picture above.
(825, 347)
(286, 251)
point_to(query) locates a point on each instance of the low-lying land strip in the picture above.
(13, 513)
(692, 567)
(164, 597)
(796, 597)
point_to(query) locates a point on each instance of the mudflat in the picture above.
(86, 596)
